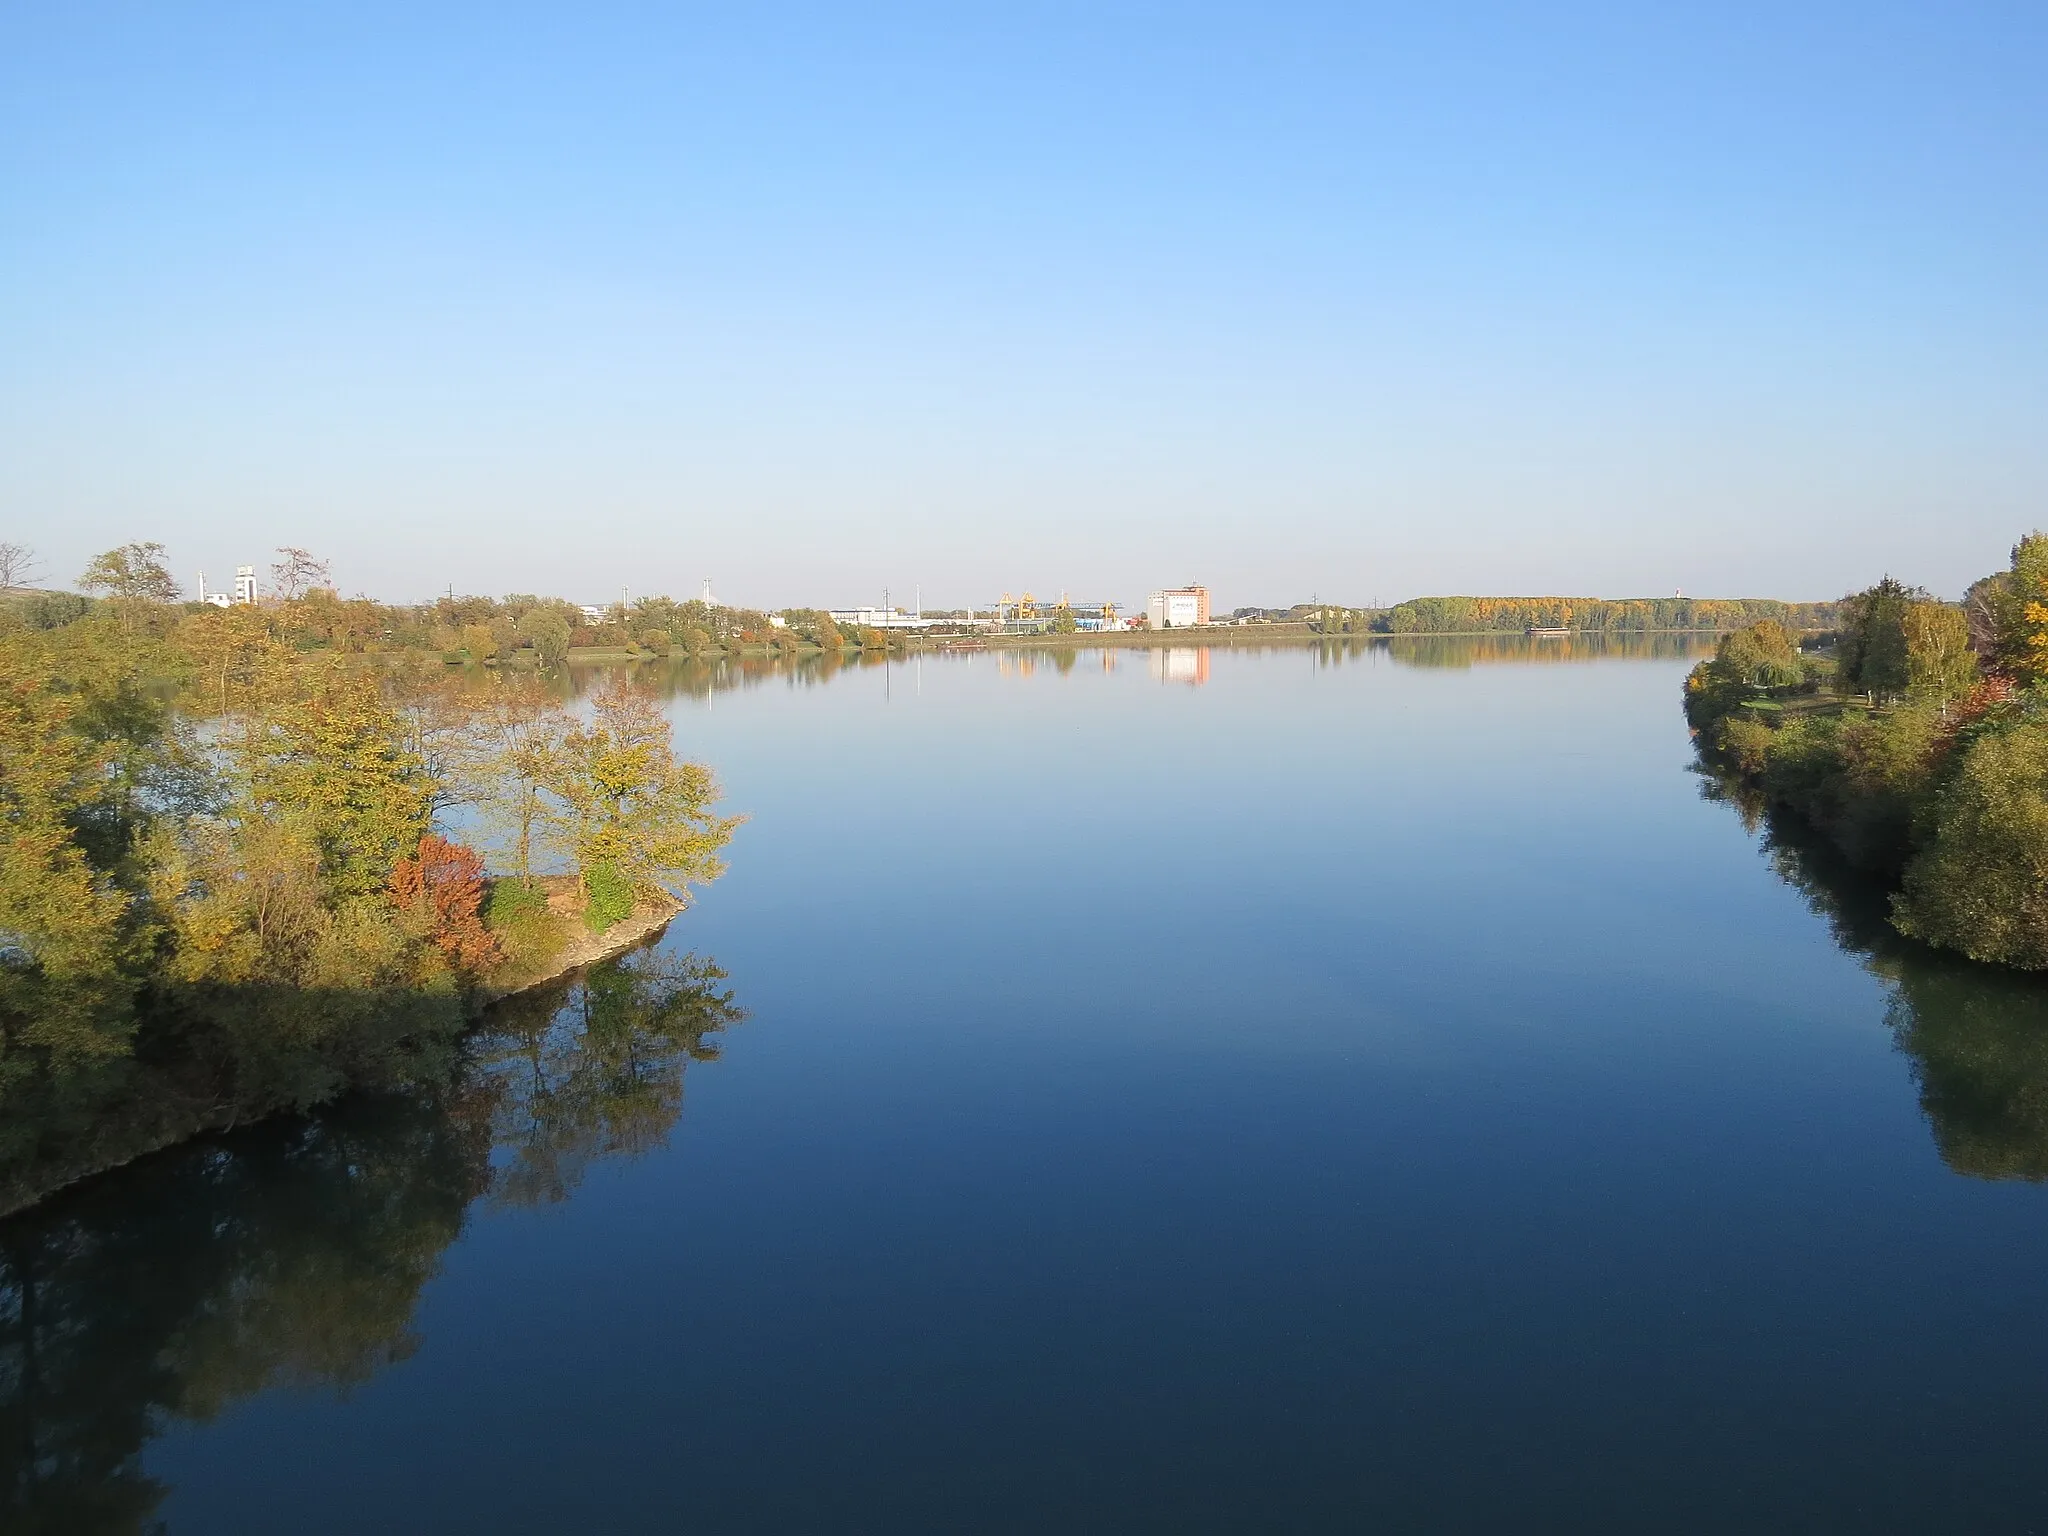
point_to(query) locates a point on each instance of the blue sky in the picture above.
(1353, 300)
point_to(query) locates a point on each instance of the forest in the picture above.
(242, 867)
(1484, 615)
(1914, 742)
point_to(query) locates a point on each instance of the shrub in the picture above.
(530, 934)
(609, 897)
(441, 888)
(510, 901)
(1745, 743)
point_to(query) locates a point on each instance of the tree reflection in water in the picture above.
(1976, 1035)
(292, 1253)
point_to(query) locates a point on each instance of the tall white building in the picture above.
(1178, 607)
(245, 583)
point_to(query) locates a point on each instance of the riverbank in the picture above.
(584, 948)
(170, 1102)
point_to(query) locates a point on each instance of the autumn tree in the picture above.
(519, 732)
(620, 799)
(296, 572)
(61, 921)
(1940, 666)
(229, 648)
(2023, 612)
(440, 888)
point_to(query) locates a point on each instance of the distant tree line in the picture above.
(521, 628)
(1482, 615)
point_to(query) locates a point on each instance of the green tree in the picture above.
(135, 578)
(136, 572)
(1871, 654)
(1747, 665)
(333, 760)
(1980, 883)
(1762, 656)
(547, 630)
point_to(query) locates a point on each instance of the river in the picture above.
(1309, 1089)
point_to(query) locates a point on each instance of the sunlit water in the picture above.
(1242, 1091)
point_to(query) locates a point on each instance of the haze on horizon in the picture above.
(1361, 301)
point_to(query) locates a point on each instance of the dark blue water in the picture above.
(1341, 1094)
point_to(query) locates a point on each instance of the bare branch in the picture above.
(19, 565)
(296, 572)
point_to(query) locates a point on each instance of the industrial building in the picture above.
(1178, 607)
(1026, 615)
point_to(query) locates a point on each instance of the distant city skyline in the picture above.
(1356, 301)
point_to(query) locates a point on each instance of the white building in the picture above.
(245, 583)
(1178, 607)
(880, 618)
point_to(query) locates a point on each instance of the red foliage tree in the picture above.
(445, 885)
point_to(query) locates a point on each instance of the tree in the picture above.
(1758, 660)
(1761, 656)
(1871, 655)
(520, 735)
(441, 888)
(18, 565)
(334, 759)
(1984, 605)
(1940, 665)
(2023, 628)
(229, 648)
(60, 923)
(296, 572)
(1980, 884)
(548, 632)
(134, 575)
(619, 797)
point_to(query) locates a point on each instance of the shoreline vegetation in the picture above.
(233, 878)
(1913, 740)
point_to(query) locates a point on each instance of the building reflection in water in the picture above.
(1187, 664)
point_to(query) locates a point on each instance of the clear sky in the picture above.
(1361, 301)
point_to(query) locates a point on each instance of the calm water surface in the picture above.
(1273, 1091)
